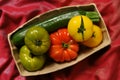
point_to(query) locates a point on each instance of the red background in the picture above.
(103, 65)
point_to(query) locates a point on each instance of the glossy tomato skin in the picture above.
(63, 47)
(37, 40)
(80, 28)
(96, 39)
(30, 62)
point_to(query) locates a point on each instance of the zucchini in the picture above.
(52, 24)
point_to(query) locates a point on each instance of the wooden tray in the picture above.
(57, 66)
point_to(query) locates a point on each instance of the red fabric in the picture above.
(103, 65)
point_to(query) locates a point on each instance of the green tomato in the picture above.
(37, 40)
(29, 61)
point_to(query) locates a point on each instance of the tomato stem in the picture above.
(93, 35)
(82, 28)
(65, 45)
(38, 42)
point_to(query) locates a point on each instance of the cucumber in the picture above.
(51, 24)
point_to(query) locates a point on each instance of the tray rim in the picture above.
(9, 35)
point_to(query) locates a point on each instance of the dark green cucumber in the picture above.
(50, 25)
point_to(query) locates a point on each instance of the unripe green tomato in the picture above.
(37, 40)
(29, 61)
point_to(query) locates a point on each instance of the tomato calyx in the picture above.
(82, 28)
(65, 45)
(38, 42)
(93, 35)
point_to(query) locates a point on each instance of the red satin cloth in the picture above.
(103, 65)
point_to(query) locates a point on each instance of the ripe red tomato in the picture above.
(63, 47)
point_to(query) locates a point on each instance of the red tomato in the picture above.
(63, 47)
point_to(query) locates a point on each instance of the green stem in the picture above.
(82, 28)
(93, 35)
(38, 42)
(65, 45)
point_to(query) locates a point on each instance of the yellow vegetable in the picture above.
(80, 28)
(96, 38)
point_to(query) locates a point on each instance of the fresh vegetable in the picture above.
(80, 28)
(37, 40)
(96, 38)
(29, 61)
(93, 16)
(63, 47)
(51, 24)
